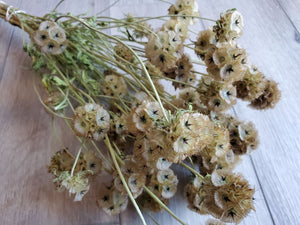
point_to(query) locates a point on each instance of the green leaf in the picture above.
(37, 62)
(59, 81)
(229, 10)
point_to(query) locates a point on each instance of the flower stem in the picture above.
(107, 142)
(76, 160)
(163, 205)
(137, 57)
(191, 169)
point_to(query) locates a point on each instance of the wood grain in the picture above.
(269, 39)
(28, 196)
(5, 37)
(291, 9)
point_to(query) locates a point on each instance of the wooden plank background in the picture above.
(271, 37)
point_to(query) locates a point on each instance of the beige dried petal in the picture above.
(168, 190)
(117, 203)
(46, 25)
(166, 177)
(247, 131)
(93, 162)
(220, 178)
(221, 56)
(51, 47)
(136, 182)
(198, 182)
(163, 164)
(57, 34)
(236, 22)
(114, 85)
(217, 104)
(228, 94)
(232, 71)
(80, 127)
(41, 37)
(141, 119)
(91, 121)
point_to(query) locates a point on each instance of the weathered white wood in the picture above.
(5, 35)
(292, 8)
(27, 142)
(270, 42)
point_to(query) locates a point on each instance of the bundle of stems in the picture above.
(110, 90)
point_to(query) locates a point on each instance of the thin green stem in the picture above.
(173, 80)
(76, 160)
(152, 84)
(163, 205)
(119, 153)
(62, 104)
(57, 5)
(137, 79)
(192, 170)
(113, 155)
(136, 56)
(198, 62)
(166, 16)
(108, 7)
(96, 147)
(48, 108)
(191, 161)
(152, 218)
(166, 2)
(203, 74)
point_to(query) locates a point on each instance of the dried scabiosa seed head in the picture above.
(93, 163)
(51, 38)
(134, 176)
(76, 184)
(226, 196)
(66, 178)
(189, 97)
(206, 40)
(163, 50)
(149, 204)
(62, 160)
(91, 121)
(217, 96)
(235, 199)
(252, 85)
(187, 10)
(230, 26)
(269, 98)
(112, 201)
(146, 115)
(189, 134)
(123, 52)
(163, 183)
(114, 85)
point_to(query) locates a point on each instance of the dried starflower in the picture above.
(112, 201)
(111, 88)
(91, 121)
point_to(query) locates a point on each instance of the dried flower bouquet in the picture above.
(108, 89)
